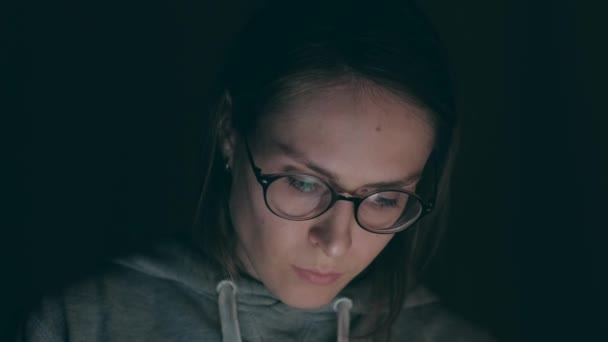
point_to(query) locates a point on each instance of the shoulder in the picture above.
(45, 323)
(82, 307)
(119, 303)
(424, 318)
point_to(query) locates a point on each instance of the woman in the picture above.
(328, 162)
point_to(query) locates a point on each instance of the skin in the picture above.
(362, 136)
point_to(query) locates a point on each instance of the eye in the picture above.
(303, 184)
(386, 202)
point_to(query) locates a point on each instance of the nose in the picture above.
(332, 231)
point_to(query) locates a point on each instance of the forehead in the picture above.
(364, 135)
(361, 104)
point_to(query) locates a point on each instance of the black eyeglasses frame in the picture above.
(265, 180)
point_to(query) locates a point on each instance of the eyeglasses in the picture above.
(299, 197)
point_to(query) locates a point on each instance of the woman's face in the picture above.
(352, 139)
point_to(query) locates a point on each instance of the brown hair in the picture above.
(287, 51)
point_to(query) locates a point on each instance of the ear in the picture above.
(227, 137)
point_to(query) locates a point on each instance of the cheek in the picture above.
(264, 239)
(366, 247)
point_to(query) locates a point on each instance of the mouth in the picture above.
(317, 278)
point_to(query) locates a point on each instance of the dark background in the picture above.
(110, 95)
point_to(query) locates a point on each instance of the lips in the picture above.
(317, 278)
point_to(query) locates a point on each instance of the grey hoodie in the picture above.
(171, 294)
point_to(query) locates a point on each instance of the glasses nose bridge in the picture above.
(338, 197)
(354, 200)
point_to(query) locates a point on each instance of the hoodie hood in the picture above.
(178, 263)
(172, 293)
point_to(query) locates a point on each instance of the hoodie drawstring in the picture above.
(230, 322)
(228, 314)
(342, 306)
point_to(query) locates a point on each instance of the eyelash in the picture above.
(408, 187)
(297, 184)
(384, 202)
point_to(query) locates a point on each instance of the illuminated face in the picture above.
(352, 139)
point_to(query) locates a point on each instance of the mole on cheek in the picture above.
(378, 128)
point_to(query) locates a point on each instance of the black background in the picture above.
(104, 112)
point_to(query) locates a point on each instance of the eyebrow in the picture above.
(333, 177)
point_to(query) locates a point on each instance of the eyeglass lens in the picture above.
(300, 197)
